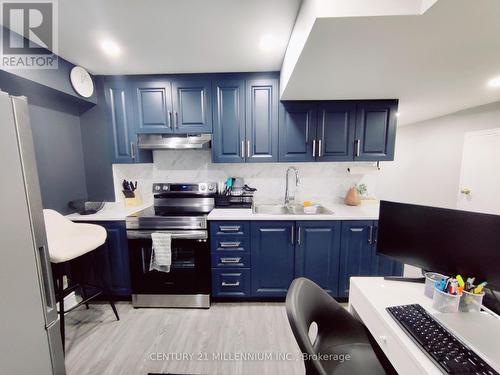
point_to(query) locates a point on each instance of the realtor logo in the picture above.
(29, 34)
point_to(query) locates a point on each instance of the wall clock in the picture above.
(81, 82)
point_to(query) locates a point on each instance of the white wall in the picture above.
(428, 157)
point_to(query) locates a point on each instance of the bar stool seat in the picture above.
(69, 241)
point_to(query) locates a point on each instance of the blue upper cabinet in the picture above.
(123, 132)
(297, 129)
(228, 142)
(335, 134)
(192, 105)
(272, 257)
(152, 105)
(262, 103)
(317, 253)
(375, 130)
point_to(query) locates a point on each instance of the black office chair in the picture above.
(339, 333)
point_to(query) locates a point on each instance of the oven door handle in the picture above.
(185, 234)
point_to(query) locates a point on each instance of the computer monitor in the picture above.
(447, 241)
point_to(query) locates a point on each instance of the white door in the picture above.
(479, 188)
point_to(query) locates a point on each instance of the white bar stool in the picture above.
(68, 241)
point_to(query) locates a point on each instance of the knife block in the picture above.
(133, 202)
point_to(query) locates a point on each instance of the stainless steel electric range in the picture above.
(179, 209)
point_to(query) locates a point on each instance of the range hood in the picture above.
(174, 141)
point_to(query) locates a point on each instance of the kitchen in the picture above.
(211, 178)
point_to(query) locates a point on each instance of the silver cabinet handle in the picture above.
(292, 235)
(314, 148)
(375, 235)
(298, 236)
(319, 148)
(242, 150)
(370, 235)
(358, 145)
(248, 148)
(132, 150)
(170, 121)
(176, 120)
(230, 244)
(229, 228)
(230, 260)
(237, 283)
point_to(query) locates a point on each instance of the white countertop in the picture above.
(112, 211)
(366, 211)
(116, 211)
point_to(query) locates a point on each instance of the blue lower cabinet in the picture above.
(116, 258)
(111, 262)
(233, 282)
(272, 257)
(317, 253)
(355, 252)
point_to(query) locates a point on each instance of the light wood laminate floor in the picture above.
(155, 340)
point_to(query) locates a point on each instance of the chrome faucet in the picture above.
(288, 197)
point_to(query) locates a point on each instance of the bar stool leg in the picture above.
(60, 298)
(104, 283)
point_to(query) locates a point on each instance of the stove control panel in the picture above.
(180, 188)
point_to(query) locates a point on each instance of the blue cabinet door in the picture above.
(152, 105)
(192, 105)
(382, 265)
(297, 131)
(355, 252)
(117, 258)
(336, 127)
(317, 253)
(262, 103)
(111, 261)
(228, 141)
(272, 257)
(375, 130)
(122, 127)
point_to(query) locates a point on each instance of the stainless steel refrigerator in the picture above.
(30, 341)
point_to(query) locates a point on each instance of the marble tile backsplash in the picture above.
(320, 182)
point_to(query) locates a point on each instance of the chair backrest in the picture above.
(308, 303)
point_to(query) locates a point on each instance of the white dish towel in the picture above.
(161, 254)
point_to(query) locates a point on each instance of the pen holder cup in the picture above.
(444, 302)
(430, 280)
(470, 302)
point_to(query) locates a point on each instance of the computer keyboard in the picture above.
(437, 342)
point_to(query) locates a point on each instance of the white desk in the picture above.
(368, 298)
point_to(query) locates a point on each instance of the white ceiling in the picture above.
(175, 36)
(435, 63)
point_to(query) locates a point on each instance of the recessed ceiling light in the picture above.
(110, 48)
(267, 42)
(494, 82)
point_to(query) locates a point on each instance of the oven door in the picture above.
(190, 269)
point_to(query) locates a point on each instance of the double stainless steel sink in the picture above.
(293, 209)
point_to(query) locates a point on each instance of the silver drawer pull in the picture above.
(230, 260)
(230, 244)
(232, 228)
(237, 283)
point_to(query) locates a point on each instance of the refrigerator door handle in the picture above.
(48, 288)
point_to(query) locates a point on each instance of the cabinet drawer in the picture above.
(231, 282)
(230, 228)
(230, 259)
(228, 243)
